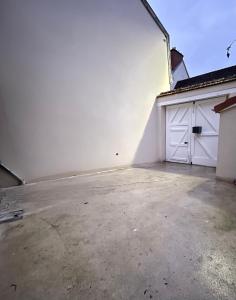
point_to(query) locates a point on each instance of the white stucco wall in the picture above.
(179, 73)
(226, 168)
(78, 81)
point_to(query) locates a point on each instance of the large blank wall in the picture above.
(78, 81)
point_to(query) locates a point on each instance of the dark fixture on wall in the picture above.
(197, 129)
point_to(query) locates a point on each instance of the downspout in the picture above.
(169, 57)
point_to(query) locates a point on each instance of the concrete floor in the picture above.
(165, 231)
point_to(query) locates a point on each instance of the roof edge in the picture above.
(186, 69)
(155, 18)
(224, 105)
(164, 31)
(209, 73)
(195, 87)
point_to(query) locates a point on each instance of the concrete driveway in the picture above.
(164, 231)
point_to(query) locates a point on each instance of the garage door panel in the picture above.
(205, 151)
(184, 146)
(178, 120)
(205, 145)
(206, 117)
(208, 125)
(177, 135)
(180, 155)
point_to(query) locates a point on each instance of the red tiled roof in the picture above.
(226, 104)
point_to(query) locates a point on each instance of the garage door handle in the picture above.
(186, 143)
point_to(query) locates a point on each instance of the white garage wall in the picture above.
(226, 167)
(78, 81)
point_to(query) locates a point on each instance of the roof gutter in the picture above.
(155, 18)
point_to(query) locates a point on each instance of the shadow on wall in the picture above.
(147, 150)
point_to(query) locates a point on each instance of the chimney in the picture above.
(176, 58)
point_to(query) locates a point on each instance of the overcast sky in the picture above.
(201, 30)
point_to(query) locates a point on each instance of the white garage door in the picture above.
(184, 146)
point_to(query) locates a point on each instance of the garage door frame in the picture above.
(182, 145)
